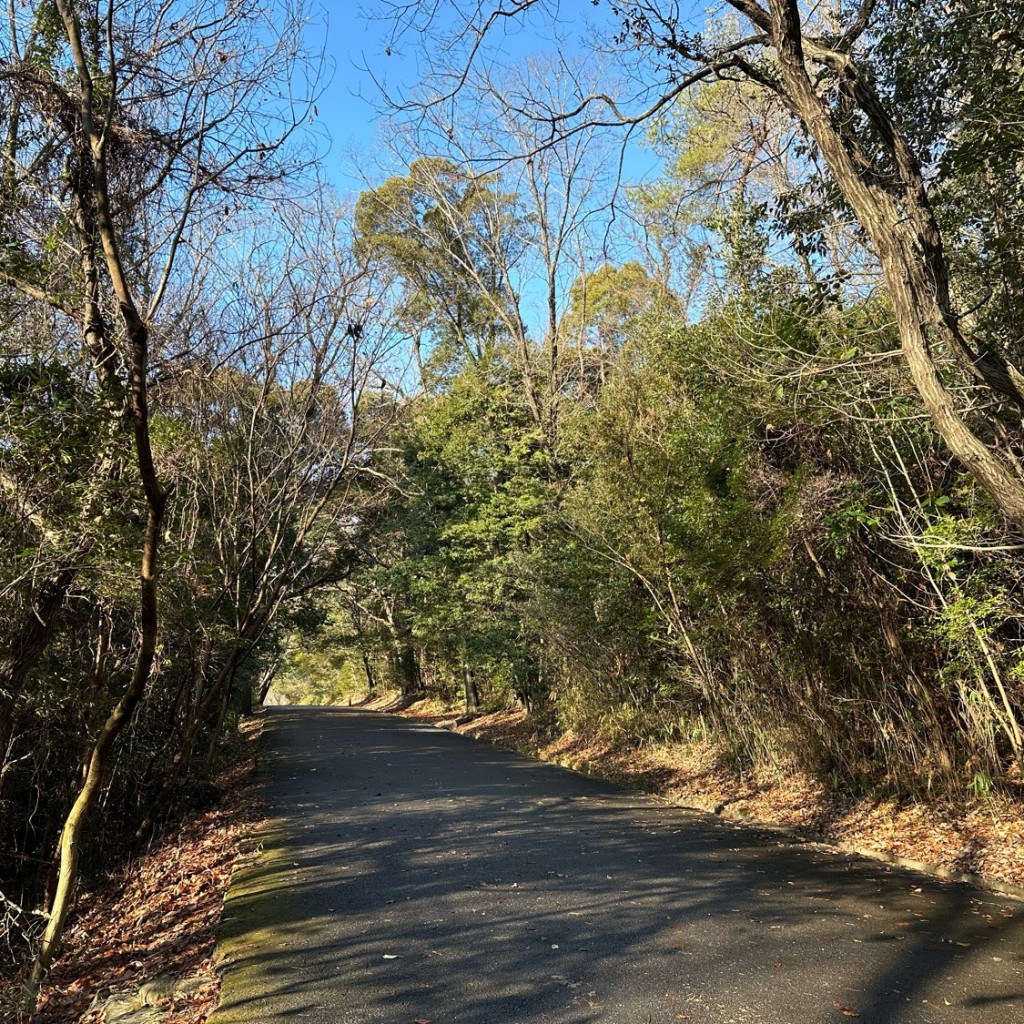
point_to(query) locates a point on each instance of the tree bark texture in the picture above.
(904, 232)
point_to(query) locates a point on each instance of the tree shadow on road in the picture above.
(426, 877)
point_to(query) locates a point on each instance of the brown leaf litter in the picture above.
(154, 920)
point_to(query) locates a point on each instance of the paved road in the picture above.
(414, 875)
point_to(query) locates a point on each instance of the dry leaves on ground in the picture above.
(157, 916)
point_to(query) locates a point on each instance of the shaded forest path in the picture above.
(415, 875)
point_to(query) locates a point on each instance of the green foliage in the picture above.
(47, 34)
(450, 238)
(744, 526)
(53, 421)
(604, 305)
(851, 519)
(716, 555)
(475, 499)
(322, 664)
(953, 74)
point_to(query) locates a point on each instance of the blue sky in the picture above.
(350, 108)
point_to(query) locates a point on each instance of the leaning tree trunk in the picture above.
(74, 824)
(94, 197)
(904, 232)
(265, 683)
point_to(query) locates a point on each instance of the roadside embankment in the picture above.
(141, 945)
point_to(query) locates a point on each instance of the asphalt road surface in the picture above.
(413, 875)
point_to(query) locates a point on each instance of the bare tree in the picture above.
(517, 232)
(287, 437)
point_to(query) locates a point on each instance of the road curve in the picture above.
(414, 875)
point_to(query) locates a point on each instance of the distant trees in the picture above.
(841, 74)
(719, 554)
(452, 239)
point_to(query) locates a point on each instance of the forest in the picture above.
(727, 453)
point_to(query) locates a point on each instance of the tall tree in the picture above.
(452, 239)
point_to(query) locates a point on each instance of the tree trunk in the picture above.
(908, 243)
(268, 680)
(469, 690)
(407, 671)
(99, 758)
(371, 679)
(95, 196)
